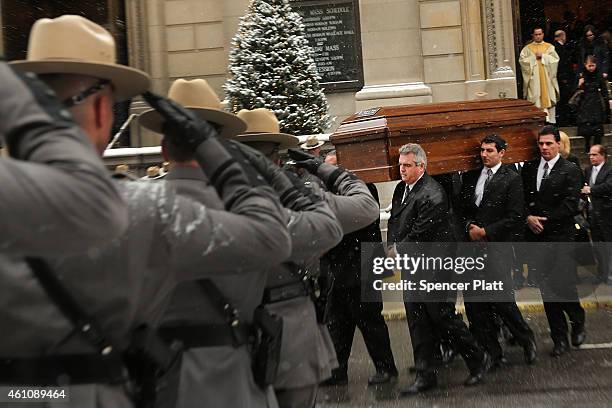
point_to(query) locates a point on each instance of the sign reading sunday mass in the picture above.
(332, 30)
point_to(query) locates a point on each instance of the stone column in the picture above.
(499, 46)
(173, 39)
(146, 51)
(1, 34)
(392, 54)
(444, 48)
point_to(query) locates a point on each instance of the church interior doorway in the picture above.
(572, 16)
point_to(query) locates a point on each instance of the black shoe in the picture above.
(478, 375)
(559, 349)
(500, 363)
(578, 336)
(335, 380)
(382, 377)
(448, 355)
(422, 383)
(531, 352)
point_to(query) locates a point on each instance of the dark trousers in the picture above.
(588, 130)
(601, 233)
(555, 313)
(481, 316)
(563, 111)
(429, 322)
(557, 281)
(348, 312)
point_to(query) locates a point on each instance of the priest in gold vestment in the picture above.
(539, 62)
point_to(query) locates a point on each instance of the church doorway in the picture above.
(572, 16)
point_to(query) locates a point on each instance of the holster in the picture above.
(322, 287)
(267, 346)
(154, 367)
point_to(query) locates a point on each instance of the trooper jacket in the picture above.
(128, 282)
(54, 185)
(307, 351)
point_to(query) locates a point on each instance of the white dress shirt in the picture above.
(410, 187)
(551, 164)
(481, 182)
(594, 172)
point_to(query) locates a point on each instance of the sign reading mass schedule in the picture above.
(332, 30)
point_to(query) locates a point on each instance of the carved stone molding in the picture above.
(135, 12)
(473, 39)
(1, 34)
(498, 23)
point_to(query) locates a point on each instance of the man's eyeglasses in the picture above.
(79, 98)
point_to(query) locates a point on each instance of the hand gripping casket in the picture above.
(367, 143)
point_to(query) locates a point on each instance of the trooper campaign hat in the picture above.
(72, 44)
(263, 126)
(312, 143)
(199, 97)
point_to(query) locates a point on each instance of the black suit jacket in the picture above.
(424, 217)
(557, 199)
(601, 194)
(349, 258)
(501, 211)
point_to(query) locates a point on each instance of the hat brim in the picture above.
(284, 140)
(127, 81)
(231, 124)
(306, 147)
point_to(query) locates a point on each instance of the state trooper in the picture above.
(54, 192)
(114, 291)
(217, 366)
(307, 352)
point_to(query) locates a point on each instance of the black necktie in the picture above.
(406, 192)
(489, 177)
(545, 175)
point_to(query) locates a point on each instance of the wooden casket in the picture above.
(367, 143)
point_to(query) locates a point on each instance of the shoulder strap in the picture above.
(231, 314)
(70, 308)
(227, 309)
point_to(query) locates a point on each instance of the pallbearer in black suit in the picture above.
(598, 187)
(491, 207)
(347, 310)
(420, 213)
(552, 192)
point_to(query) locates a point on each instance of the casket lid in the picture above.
(418, 119)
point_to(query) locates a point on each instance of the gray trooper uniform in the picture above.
(221, 376)
(307, 353)
(170, 239)
(55, 185)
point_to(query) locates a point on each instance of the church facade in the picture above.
(411, 51)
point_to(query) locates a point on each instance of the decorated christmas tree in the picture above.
(271, 66)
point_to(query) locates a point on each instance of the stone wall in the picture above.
(414, 51)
